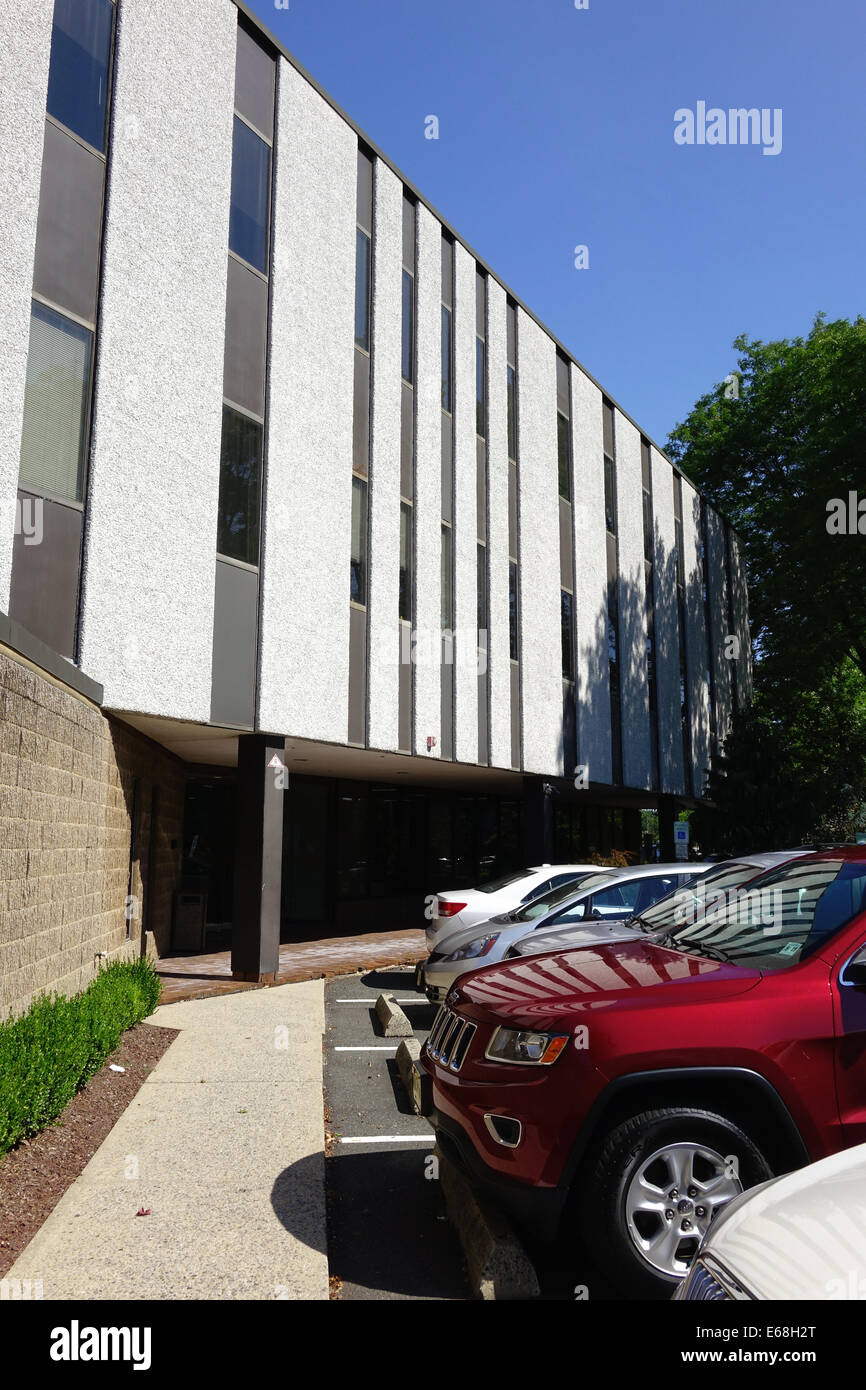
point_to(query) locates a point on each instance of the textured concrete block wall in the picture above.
(304, 640)
(666, 626)
(590, 578)
(465, 511)
(150, 542)
(25, 46)
(497, 528)
(540, 639)
(636, 754)
(67, 776)
(383, 671)
(428, 480)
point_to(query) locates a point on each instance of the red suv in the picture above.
(629, 1091)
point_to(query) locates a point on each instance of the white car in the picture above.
(683, 903)
(464, 907)
(801, 1236)
(608, 896)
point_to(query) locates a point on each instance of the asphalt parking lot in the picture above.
(388, 1235)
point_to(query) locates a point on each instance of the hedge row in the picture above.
(47, 1054)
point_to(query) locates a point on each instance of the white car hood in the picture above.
(802, 1236)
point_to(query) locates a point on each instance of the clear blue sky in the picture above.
(556, 129)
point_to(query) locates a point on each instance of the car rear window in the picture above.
(494, 884)
(780, 918)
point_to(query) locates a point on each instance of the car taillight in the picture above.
(448, 909)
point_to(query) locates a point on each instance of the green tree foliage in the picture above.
(774, 448)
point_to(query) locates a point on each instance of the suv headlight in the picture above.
(525, 1048)
(475, 948)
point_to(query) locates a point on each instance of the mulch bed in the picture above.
(35, 1174)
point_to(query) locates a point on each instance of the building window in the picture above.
(447, 600)
(609, 496)
(567, 621)
(251, 190)
(481, 575)
(79, 69)
(358, 592)
(512, 611)
(563, 442)
(480, 389)
(240, 487)
(362, 290)
(56, 405)
(408, 356)
(405, 562)
(447, 359)
(511, 388)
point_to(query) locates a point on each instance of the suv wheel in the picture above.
(652, 1188)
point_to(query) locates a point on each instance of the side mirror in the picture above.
(854, 972)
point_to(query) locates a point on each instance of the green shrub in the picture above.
(47, 1054)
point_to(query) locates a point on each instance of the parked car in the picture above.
(608, 897)
(802, 1236)
(683, 903)
(622, 1094)
(466, 906)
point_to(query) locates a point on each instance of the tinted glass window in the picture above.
(618, 900)
(652, 889)
(251, 182)
(493, 885)
(405, 562)
(445, 593)
(609, 497)
(55, 405)
(80, 60)
(359, 541)
(563, 443)
(512, 412)
(480, 399)
(512, 610)
(362, 291)
(446, 358)
(240, 481)
(408, 327)
(567, 623)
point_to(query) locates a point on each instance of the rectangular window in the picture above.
(358, 591)
(563, 443)
(609, 496)
(567, 620)
(481, 575)
(79, 70)
(447, 359)
(240, 487)
(447, 604)
(512, 611)
(480, 390)
(56, 405)
(406, 562)
(408, 359)
(512, 412)
(362, 290)
(251, 190)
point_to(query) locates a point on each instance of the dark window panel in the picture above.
(362, 290)
(240, 487)
(251, 190)
(647, 527)
(511, 397)
(567, 624)
(481, 305)
(447, 447)
(563, 447)
(255, 72)
(69, 230)
(405, 562)
(566, 546)
(447, 360)
(480, 490)
(609, 496)
(407, 442)
(512, 509)
(607, 428)
(56, 398)
(408, 346)
(645, 464)
(409, 215)
(246, 338)
(480, 388)
(358, 590)
(361, 416)
(357, 677)
(364, 213)
(513, 616)
(44, 591)
(447, 272)
(78, 75)
(447, 589)
(481, 578)
(233, 672)
(511, 333)
(563, 401)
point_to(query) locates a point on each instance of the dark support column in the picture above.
(668, 812)
(258, 859)
(537, 822)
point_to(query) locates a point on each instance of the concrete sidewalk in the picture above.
(224, 1145)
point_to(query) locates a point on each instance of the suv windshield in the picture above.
(780, 918)
(685, 904)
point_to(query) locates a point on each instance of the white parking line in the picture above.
(371, 1003)
(390, 1139)
(365, 1049)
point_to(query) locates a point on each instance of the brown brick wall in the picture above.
(70, 779)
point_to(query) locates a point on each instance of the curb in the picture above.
(498, 1266)
(394, 1022)
(408, 1053)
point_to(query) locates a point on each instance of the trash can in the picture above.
(190, 921)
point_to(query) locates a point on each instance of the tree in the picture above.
(780, 455)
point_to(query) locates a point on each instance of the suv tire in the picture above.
(652, 1186)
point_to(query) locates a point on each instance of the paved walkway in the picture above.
(224, 1147)
(199, 976)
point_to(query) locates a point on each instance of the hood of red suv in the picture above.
(539, 990)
